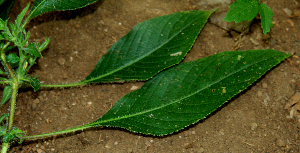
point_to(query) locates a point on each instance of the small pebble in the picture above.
(280, 143)
(288, 11)
(254, 126)
(61, 61)
(222, 132)
(259, 93)
(264, 85)
(129, 150)
(200, 150)
(134, 88)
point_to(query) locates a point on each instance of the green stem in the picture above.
(15, 87)
(83, 127)
(63, 85)
(5, 147)
(5, 64)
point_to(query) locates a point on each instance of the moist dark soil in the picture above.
(263, 118)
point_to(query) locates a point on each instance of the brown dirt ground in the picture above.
(254, 121)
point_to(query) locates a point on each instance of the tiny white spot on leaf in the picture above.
(176, 54)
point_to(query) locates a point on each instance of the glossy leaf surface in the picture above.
(186, 93)
(43, 6)
(150, 47)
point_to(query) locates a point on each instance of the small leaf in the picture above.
(7, 91)
(15, 132)
(31, 49)
(2, 24)
(184, 94)
(3, 116)
(13, 59)
(242, 10)
(35, 84)
(43, 6)
(44, 44)
(21, 16)
(150, 47)
(5, 7)
(1, 72)
(2, 130)
(266, 17)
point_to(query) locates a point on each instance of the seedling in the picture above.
(170, 101)
(243, 10)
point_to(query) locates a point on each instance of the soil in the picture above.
(264, 118)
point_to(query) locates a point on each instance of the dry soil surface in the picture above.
(264, 118)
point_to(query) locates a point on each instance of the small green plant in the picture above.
(171, 100)
(243, 10)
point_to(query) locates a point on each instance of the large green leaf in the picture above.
(242, 10)
(182, 95)
(150, 47)
(43, 6)
(266, 17)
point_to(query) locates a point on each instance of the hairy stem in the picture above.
(5, 147)
(63, 85)
(15, 87)
(80, 128)
(4, 63)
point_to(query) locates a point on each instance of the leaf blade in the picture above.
(43, 6)
(35, 84)
(242, 10)
(182, 95)
(7, 92)
(150, 47)
(266, 17)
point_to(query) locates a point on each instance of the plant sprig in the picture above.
(243, 10)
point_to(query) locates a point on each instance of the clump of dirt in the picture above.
(253, 121)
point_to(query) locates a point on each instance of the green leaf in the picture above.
(15, 132)
(43, 6)
(3, 24)
(13, 59)
(184, 94)
(266, 17)
(31, 49)
(44, 44)
(20, 17)
(7, 91)
(242, 10)
(150, 47)
(2, 118)
(35, 84)
(2, 1)
(2, 130)
(5, 7)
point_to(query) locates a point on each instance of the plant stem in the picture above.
(15, 87)
(83, 127)
(5, 64)
(63, 85)
(5, 147)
